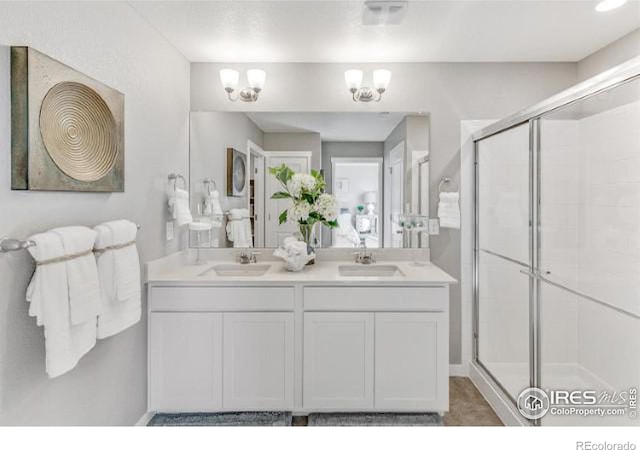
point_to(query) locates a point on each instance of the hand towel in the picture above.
(82, 273)
(239, 228)
(449, 210)
(179, 204)
(48, 295)
(119, 273)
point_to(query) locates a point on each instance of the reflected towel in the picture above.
(449, 210)
(239, 228)
(48, 295)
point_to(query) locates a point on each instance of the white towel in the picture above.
(347, 230)
(239, 228)
(82, 273)
(179, 204)
(48, 294)
(119, 272)
(449, 210)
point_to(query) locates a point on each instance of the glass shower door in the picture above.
(503, 251)
(589, 256)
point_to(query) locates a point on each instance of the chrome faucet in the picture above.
(247, 256)
(362, 257)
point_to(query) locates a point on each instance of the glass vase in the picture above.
(307, 234)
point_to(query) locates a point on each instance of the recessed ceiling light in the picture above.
(608, 5)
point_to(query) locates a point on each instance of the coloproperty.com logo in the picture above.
(534, 403)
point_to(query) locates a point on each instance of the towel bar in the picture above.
(8, 244)
(175, 177)
(444, 181)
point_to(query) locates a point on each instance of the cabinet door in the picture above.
(258, 361)
(338, 360)
(411, 361)
(185, 362)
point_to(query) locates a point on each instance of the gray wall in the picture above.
(448, 92)
(617, 52)
(211, 134)
(301, 142)
(110, 42)
(345, 150)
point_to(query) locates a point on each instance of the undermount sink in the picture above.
(238, 270)
(373, 270)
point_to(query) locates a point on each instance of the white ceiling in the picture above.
(332, 31)
(332, 126)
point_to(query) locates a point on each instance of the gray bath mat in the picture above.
(233, 419)
(374, 420)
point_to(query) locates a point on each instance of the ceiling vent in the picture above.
(384, 12)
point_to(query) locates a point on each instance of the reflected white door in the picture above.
(274, 232)
(397, 183)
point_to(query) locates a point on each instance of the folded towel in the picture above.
(119, 272)
(449, 210)
(212, 206)
(179, 204)
(82, 273)
(239, 228)
(48, 295)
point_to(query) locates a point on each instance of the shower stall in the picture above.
(557, 248)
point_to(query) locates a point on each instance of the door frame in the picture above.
(397, 153)
(256, 151)
(364, 159)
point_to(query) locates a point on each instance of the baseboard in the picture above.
(458, 370)
(144, 420)
(496, 399)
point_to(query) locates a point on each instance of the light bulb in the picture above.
(381, 79)
(229, 79)
(256, 79)
(608, 5)
(353, 79)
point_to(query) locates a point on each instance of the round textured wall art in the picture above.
(78, 131)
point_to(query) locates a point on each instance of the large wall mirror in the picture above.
(376, 164)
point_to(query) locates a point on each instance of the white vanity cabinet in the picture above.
(301, 347)
(338, 361)
(220, 349)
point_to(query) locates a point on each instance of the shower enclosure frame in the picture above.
(608, 80)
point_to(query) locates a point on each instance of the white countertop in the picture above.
(322, 272)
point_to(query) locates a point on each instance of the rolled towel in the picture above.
(48, 295)
(449, 210)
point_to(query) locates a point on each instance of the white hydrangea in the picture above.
(299, 211)
(300, 181)
(327, 206)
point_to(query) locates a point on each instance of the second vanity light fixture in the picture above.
(381, 79)
(255, 77)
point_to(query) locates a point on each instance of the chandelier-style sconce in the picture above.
(255, 77)
(381, 79)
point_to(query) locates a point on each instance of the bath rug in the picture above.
(374, 420)
(232, 419)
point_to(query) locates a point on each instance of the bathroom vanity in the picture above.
(335, 337)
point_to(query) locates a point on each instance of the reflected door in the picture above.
(274, 232)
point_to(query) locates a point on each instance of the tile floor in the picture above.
(466, 408)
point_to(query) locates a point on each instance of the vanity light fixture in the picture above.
(353, 79)
(255, 77)
(608, 5)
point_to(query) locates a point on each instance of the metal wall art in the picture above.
(67, 130)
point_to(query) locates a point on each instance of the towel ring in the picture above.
(207, 185)
(444, 181)
(175, 177)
